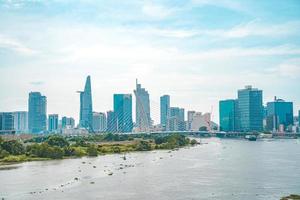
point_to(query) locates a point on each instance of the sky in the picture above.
(197, 51)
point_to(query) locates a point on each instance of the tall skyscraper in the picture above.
(86, 106)
(250, 109)
(279, 112)
(143, 119)
(164, 109)
(67, 122)
(227, 113)
(21, 121)
(53, 122)
(6, 123)
(99, 121)
(123, 112)
(37, 112)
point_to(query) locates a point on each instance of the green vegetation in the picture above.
(291, 197)
(58, 147)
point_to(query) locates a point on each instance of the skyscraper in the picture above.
(279, 112)
(164, 109)
(143, 119)
(53, 122)
(6, 123)
(175, 121)
(99, 121)
(227, 112)
(123, 112)
(250, 109)
(86, 106)
(21, 121)
(37, 112)
(67, 122)
(190, 115)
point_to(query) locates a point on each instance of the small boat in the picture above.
(251, 137)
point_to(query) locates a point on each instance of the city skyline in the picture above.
(181, 48)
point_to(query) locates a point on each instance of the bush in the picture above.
(56, 140)
(143, 146)
(12, 158)
(92, 150)
(193, 142)
(116, 149)
(3, 153)
(13, 147)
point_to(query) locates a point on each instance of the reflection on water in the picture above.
(218, 169)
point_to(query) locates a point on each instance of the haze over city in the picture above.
(196, 51)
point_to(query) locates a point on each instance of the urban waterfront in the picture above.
(216, 169)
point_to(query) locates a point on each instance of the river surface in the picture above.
(217, 169)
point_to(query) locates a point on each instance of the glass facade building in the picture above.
(227, 113)
(250, 109)
(37, 112)
(6, 122)
(53, 122)
(164, 109)
(143, 119)
(123, 112)
(86, 106)
(279, 112)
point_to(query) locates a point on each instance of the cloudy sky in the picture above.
(198, 51)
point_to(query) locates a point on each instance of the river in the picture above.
(217, 169)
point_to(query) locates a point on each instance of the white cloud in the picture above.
(12, 44)
(156, 11)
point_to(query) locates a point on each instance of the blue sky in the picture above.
(198, 51)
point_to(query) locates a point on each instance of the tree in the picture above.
(56, 140)
(143, 146)
(193, 142)
(92, 150)
(203, 128)
(13, 147)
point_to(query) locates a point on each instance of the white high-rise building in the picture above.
(201, 120)
(21, 121)
(99, 122)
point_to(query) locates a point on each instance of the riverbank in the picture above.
(59, 147)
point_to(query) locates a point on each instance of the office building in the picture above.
(123, 112)
(279, 113)
(227, 115)
(37, 112)
(143, 119)
(190, 115)
(86, 106)
(164, 109)
(99, 122)
(6, 123)
(53, 123)
(250, 109)
(21, 121)
(67, 122)
(175, 121)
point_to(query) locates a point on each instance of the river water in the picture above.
(217, 169)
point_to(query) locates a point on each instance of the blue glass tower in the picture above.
(37, 112)
(86, 106)
(279, 112)
(227, 113)
(250, 109)
(164, 109)
(123, 112)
